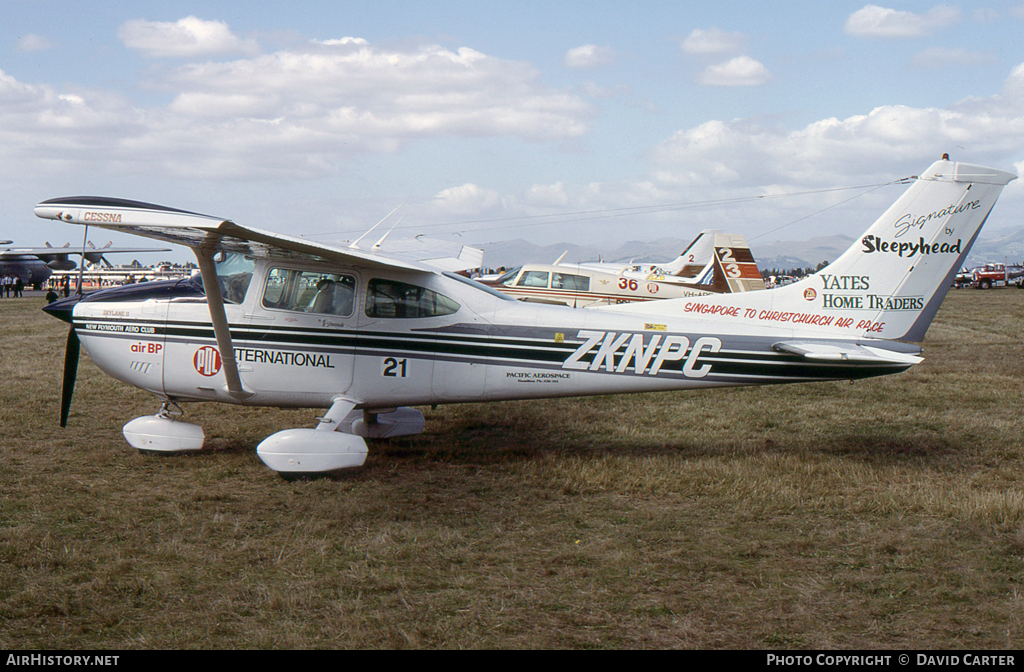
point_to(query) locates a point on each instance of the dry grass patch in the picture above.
(884, 514)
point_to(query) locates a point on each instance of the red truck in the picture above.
(993, 275)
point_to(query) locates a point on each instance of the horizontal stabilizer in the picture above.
(854, 353)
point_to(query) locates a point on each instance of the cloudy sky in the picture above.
(587, 122)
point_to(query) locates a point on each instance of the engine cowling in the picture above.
(61, 264)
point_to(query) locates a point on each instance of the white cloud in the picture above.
(342, 41)
(589, 56)
(739, 71)
(466, 199)
(293, 113)
(187, 37)
(712, 41)
(836, 151)
(33, 42)
(548, 195)
(364, 93)
(721, 160)
(939, 57)
(875, 21)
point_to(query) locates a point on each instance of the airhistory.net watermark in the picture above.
(51, 660)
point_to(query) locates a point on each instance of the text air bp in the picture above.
(642, 353)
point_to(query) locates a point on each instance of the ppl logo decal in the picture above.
(207, 361)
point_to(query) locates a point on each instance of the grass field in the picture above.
(884, 514)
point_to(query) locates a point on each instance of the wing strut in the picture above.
(204, 255)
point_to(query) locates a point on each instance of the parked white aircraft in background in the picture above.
(713, 263)
(280, 321)
(691, 264)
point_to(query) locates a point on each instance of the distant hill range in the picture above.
(999, 245)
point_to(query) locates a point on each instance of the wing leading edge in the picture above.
(208, 233)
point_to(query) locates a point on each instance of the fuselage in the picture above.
(304, 333)
(32, 270)
(577, 286)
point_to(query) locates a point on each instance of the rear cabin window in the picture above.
(391, 299)
(575, 283)
(533, 279)
(310, 292)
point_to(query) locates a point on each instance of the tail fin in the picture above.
(731, 269)
(891, 282)
(695, 257)
(734, 264)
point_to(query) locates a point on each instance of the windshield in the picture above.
(234, 271)
(509, 276)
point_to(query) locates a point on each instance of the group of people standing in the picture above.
(11, 285)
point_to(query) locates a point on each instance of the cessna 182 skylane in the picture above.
(281, 321)
(713, 263)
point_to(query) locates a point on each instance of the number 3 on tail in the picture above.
(393, 368)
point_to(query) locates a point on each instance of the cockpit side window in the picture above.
(310, 292)
(533, 279)
(392, 299)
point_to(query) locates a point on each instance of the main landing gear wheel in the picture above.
(164, 432)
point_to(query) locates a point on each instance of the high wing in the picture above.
(214, 234)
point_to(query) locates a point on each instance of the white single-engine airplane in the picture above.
(714, 263)
(281, 321)
(695, 263)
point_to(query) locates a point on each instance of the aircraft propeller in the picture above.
(62, 309)
(71, 354)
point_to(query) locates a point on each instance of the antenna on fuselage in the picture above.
(355, 243)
